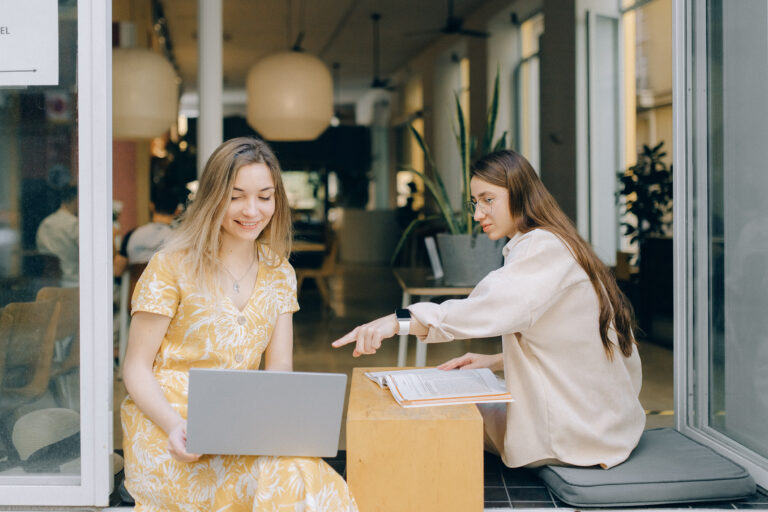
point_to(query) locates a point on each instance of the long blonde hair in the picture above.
(198, 236)
(532, 206)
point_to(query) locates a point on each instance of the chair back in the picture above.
(27, 336)
(68, 324)
(329, 259)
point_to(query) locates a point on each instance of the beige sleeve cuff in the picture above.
(430, 315)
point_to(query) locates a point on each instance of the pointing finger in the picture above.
(346, 339)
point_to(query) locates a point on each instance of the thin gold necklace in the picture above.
(236, 281)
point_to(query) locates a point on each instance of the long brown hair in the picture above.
(199, 233)
(532, 206)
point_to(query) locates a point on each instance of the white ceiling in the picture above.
(337, 31)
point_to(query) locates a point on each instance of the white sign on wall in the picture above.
(29, 42)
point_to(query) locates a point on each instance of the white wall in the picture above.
(503, 52)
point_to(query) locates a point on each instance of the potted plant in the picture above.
(647, 191)
(466, 257)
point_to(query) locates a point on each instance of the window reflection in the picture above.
(39, 275)
(738, 221)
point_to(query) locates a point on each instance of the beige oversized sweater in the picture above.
(572, 404)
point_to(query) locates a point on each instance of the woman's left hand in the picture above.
(470, 361)
(368, 337)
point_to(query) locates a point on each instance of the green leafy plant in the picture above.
(647, 191)
(457, 220)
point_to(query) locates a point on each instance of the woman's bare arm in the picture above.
(144, 339)
(279, 353)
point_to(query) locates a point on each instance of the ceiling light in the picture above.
(290, 96)
(144, 94)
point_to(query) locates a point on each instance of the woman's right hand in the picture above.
(368, 337)
(469, 361)
(177, 444)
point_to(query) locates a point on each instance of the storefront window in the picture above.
(737, 49)
(39, 269)
(721, 214)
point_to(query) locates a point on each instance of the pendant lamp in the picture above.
(144, 94)
(289, 96)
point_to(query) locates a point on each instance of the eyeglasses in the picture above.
(485, 205)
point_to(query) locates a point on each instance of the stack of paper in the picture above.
(426, 387)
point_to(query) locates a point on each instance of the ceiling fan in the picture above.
(453, 25)
(378, 82)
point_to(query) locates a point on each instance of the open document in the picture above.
(426, 387)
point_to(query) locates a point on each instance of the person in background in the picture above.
(220, 294)
(58, 235)
(141, 243)
(569, 356)
(406, 214)
(119, 264)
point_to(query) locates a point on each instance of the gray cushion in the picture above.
(666, 467)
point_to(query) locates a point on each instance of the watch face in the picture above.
(403, 314)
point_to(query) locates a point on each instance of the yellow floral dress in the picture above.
(210, 333)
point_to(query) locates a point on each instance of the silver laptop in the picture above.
(250, 412)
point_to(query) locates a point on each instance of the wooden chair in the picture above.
(320, 274)
(68, 325)
(27, 337)
(67, 338)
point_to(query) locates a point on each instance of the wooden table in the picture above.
(304, 246)
(417, 459)
(418, 285)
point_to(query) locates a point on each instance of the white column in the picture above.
(380, 152)
(210, 124)
(447, 81)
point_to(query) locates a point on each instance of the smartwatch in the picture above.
(403, 321)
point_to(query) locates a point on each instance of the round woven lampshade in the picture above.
(145, 98)
(290, 96)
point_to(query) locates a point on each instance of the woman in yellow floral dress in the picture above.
(220, 295)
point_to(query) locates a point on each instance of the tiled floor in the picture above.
(520, 488)
(361, 293)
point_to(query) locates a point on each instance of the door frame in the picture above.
(94, 125)
(691, 261)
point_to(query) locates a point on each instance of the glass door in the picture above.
(721, 227)
(55, 253)
(605, 131)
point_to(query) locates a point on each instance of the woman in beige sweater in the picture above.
(569, 357)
